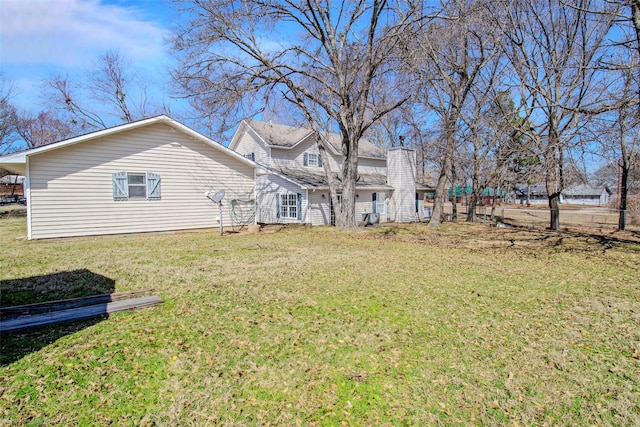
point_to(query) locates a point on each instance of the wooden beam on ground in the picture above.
(63, 304)
(78, 313)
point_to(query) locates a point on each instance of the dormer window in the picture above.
(313, 160)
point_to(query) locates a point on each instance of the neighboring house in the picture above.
(144, 176)
(11, 186)
(463, 194)
(293, 187)
(577, 195)
(586, 195)
(534, 194)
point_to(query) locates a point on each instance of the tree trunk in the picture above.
(554, 208)
(622, 214)
(493, 206)
(345, 215)
(441, 190)
(454, 194)
(471, 208)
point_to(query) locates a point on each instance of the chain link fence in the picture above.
(571, 216)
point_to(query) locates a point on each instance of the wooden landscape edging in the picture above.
(78, 313)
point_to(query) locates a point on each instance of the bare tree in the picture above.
(113, 82)
(622, 125)
(43, 128)
(626, 99)
(555, 51)
(490, 133)
(325, 58)
(110, 89)
(8, 116)
(65, 97)
(448, 55)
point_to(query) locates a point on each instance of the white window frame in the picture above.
(123, 186)
(137, 185)
(312, 160)
(289, 205)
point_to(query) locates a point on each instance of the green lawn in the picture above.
(467, 325)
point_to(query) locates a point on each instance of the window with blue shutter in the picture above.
(153, 186)
(312, 159)
(120, 186)
(135, 185)
(289, 206)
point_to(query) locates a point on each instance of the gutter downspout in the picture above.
(27, 191)
(306, 211)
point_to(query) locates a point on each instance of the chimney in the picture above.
(401, 175)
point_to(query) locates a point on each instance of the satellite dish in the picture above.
(217, 198)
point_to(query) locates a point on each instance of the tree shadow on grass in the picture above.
(41, 289)
(599, 241)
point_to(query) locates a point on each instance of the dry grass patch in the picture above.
(391, 325)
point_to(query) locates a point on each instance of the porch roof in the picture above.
(317, 180)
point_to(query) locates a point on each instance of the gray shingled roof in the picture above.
(582, 190)
(318, 180)
(286, 137)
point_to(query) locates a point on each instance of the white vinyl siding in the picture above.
(402, 177)
(72, 190)
(298, 157)
(269, 189)
(319, 213)
(372, 166)
(312, 160)
(250, 146)
(132, 185)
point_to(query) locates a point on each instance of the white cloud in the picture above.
(72, 33)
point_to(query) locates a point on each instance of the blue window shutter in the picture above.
(120, 186)
(299, 206)
(319, 161)
(153, 186)
(306, 159)
(277, 205)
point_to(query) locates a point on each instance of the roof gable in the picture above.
(287, 137)
(21, 157)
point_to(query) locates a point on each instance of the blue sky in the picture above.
(43, 38)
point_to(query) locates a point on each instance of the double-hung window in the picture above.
(135, 185)
(289, 206)
(312, 159)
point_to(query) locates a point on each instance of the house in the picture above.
(159, 175)
(11, 186)
(146, 176)
(293, 187)
(584, 194)
(463, 194)
(533, 194)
